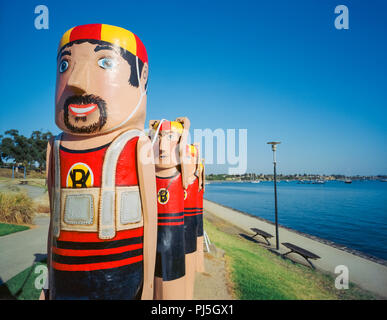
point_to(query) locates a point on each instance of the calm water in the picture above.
(354, 215)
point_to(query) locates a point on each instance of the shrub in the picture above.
(16, 208)
(42, 208)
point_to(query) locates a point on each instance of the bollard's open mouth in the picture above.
(82, 110)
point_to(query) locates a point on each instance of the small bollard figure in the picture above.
(102, 186)
(200, 238)
(191, 210)
(170, 139)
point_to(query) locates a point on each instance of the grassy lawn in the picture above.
(6, 228)
(7, 173)
(259, 274)
(9, 184)
(22, 286)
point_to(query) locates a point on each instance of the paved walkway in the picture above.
(20, 250)
(366, 273)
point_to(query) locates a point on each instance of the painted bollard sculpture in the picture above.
(191, 210)
(102, 238)
(170, 141)
(200, 252)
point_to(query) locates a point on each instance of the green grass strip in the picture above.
(258, 274)
(6, 228)
(22, 286)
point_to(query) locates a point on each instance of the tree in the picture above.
(29, 151)
(1, 158)
(38, 141)
(19, 148)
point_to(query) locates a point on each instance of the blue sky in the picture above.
(280, 69)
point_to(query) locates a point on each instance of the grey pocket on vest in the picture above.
(79, 209)
(130, 211)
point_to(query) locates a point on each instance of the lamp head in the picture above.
(274, 145)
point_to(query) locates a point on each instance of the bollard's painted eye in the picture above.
(63, 66)
(107, 63)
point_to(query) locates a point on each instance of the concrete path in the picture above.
(32, 191)
(20, 250)
(14, 186)
(368, 274)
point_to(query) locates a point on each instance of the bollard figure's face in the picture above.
(95, 93)
(167, 149)
(192, 158)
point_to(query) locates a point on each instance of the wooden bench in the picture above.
(263, 234)
(23, 182)
(302, 252)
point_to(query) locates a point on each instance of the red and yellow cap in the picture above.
(169, 126)
(115, 35)
(191, 150)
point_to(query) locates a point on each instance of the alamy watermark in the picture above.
(227, 151)
(41, 281)
(342, 280)
(41, 20)
(342, 20)
(231, 148)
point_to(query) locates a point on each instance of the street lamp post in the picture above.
(274, 148)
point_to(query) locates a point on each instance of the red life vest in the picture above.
(85, 251)
(170, 201)
(191, 201)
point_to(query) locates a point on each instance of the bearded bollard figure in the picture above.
(103, 229)
(170, 142)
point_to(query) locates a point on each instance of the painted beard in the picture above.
(84, 101)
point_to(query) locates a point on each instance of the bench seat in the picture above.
(302, 252)
(263, 234)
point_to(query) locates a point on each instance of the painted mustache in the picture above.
(80, 107)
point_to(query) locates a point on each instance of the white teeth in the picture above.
(81, 110)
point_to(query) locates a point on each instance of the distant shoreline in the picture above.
(297, 180)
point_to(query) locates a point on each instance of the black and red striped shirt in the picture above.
(170, 201)
(83, 251)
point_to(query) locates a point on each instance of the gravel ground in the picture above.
(213, 283)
